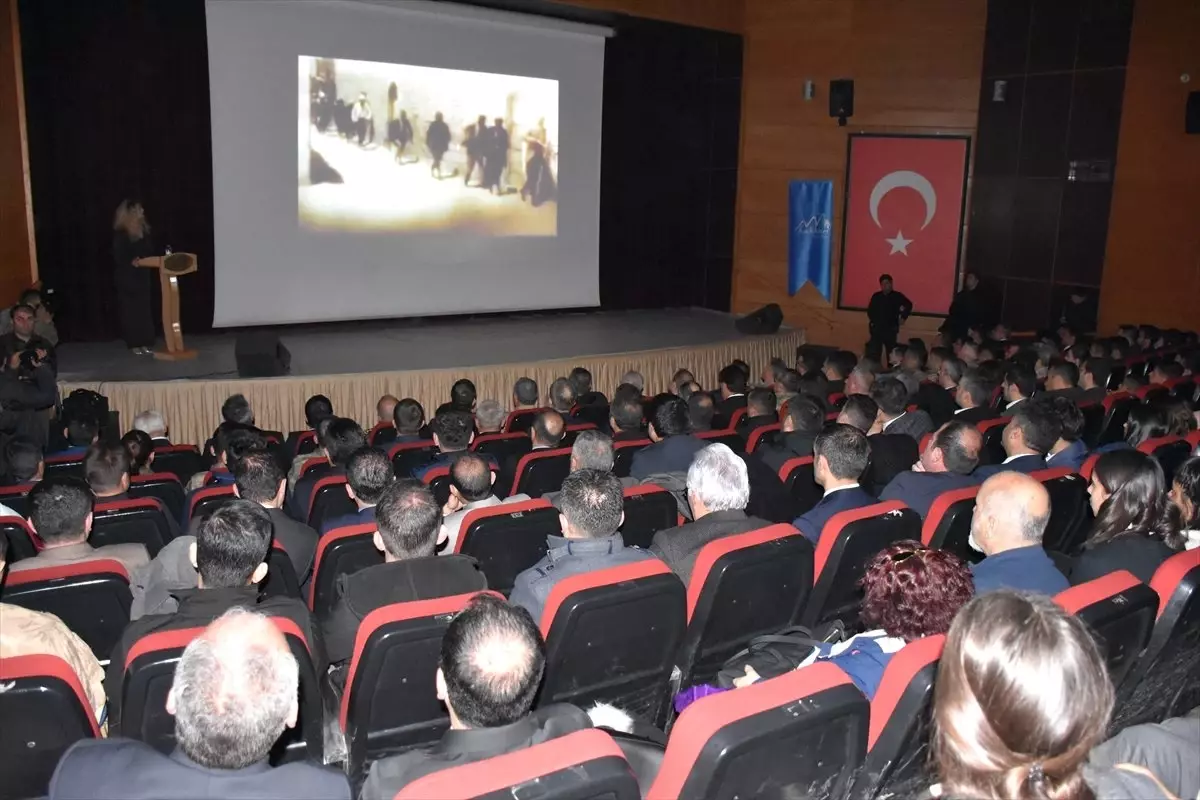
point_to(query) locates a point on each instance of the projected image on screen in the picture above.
(401, 148)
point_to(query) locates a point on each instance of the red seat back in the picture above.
(502, 446)
(993, 436)
(161, 486)
(329, 500)
(143, 521)
(947, 526)
(1169, 451)
(797, 477)
(1120, 611)
(507, 539)
(408, 456)
(521, 420)
(341, 551)
(623, 453)
(181, 460)
(1069, 510)
(648, 510)
(91, 597)
(22, 541)
(732, 440)
(736, 417)
(541, 471)
(207, 500)
(763, 433)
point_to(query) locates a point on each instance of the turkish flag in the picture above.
(904, 204)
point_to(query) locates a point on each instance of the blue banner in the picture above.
(810, 241)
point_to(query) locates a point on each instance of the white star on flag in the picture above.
(899, 244)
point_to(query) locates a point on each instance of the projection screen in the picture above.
(377, 160)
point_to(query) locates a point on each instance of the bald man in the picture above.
(234, 693)
(546, 433)
(945, 464)
(1011, 513)
(491, 663)
(385, 409)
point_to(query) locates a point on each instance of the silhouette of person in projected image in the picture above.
(437, 139)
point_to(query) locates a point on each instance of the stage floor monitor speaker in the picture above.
(261, 355)
(762, 322)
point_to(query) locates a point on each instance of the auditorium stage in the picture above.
(355, 363)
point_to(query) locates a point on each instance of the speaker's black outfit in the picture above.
(885, 313)
(135, 296)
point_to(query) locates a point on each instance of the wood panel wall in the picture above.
(916, 68)
(1152, 263)
(18, 261)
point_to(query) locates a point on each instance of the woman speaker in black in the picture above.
(131, 241)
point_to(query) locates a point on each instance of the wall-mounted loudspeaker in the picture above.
(841, 99)
(1192, 123)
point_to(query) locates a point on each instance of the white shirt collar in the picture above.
(1013, 458)
(1013, 403)
(959, 410)
(735, 394)
(840, 488)
(893, 419)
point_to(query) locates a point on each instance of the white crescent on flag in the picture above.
(898, 179)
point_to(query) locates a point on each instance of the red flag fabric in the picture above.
(904, 217)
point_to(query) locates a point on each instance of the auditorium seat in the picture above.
(329, 501)
(1070, 512)
(612, 635)
(396, 652)
(181, 460)
(736, 417)
(507, 539)
(835, 400)
(142, 521)
(743, 585)
(1116, 377)
(502, 446)
(45, 711)
(63, 466)
(1152, 393)
(993, 440)
(381, 433)
(924, 443)
(1165, 682)
(311, 464)
(1116, 411)
(521, 420)
(407, 456)
(1183, 388)
(849, 540)
(1088, 466)
(648, 510)
(897, 744)
(623, 455)
(947, 526)
(763, 434)
(302, 443)
(585, 765)
(571, 433)
(92, 598)
(203, 502)
(162, 486)
(22, 541)
(1093, 421)
(1120, 611)
(802, 734)
(150, 669)
(17, 497)
(997, 398)
(733, 441)
(341, 551)
(1169, 451)
(541, 471)
(438, 481)
(1193, 438)
(797, 477)
(281, 580)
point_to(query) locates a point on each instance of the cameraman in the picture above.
(23, 338)
(43, 313)
(27, 387)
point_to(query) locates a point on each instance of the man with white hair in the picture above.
(634, 378)
(718, 490)
(489, 416)
(234, 693)
(151, 422)
(591, 450)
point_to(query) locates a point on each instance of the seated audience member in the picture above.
(385, 409)
(1020, 382)
(590, 512)
(562, 400)
(236, 413)
(488, 675)
(409, 521)
(229, 553)
(1069, 451)
(228, 445)
(1164, 371)
(259, 479)
(1133, 383)
(938, 354)
(471, 487)
(936, 397)
(1011, 512)
(974, 398)
(968, 353)
(681, 378)
(840, 455)
(673, 446)
(1062, 380)
(690, 389)
(233, 693)
(106, 468)
(1029, 435)
(342, 439)
(525, 394)
(462, 398)
(895, 357)
(1178, 415)
(838, 366)
(546, 433)
(915, 356)
(1185, 494)
(803, 421)
(1001, 728)
(302, 463)
(1135, 529)
(718, 491)
(634, 379)
(905, 576)
(152, 423)
(453, 432)
(1145, 422)
(859, 412)
(24, 461)
(489, 417)
(140, 448)
(581, 382)
(317, 409)
(408, 418)
(731, 383)
(36, 633)
(625, 419)
(368, 473)
(790, 384)
(701, 410)
(891, 395)
(945, 464)
(80, 434)
(773, 373)
(760, 410)
(591, 450)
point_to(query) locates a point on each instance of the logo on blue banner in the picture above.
(810, 241)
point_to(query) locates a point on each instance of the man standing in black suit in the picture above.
(886, 312)
(945, 464)
(234, 692)
(733, 395)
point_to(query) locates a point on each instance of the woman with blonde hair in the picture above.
(131, 242)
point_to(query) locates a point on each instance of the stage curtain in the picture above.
(193, 408)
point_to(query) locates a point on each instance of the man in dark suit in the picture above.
(492, 660)
(233, 693)
(585, 395)
(944, 465)
(259, 479)
(701, 410)
(838, 366)
(343, 437)
(453, 432)
(546, 433)
(937, 399)
(409, 520)
(974, 397)
(1069, 451)
(1020, 382)
(408, 419)
(886, 312)
(1093, 380)
(1029, 435)
(891, 395)
(672, 448)
(760, 410)
(718, 491)
(803, 421)
(316, 408)
(368, 473)
(1062, 380)
(562, 400)
(733, 395)
(625, 419)
(840, 455)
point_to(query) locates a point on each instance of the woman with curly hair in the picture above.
(1185, 494)
(909, 592)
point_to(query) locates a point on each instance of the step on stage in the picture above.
(355, 363)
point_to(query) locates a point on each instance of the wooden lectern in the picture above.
(170, 267)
